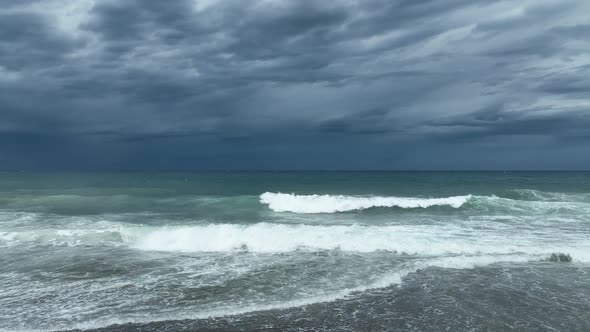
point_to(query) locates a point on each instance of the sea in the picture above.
(295, 251)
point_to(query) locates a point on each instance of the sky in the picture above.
(276, 84)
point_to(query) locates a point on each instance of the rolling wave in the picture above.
(519, 202)
(420, 240)
(543, 196)
(280, 202)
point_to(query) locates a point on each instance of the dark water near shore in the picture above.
(498, 297)
(295, 250)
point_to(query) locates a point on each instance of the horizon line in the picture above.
(278, 170)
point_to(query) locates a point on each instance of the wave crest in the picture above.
(544, 196)
(280, 202)
(403, 239)
(420, 240)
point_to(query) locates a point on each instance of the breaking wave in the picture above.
(421, 240)
(402, 239)
(280, 202)
(519, 202)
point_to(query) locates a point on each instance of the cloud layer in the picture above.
(273, 84)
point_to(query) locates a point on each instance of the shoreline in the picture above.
(428, 300)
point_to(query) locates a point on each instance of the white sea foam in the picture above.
(389, 279)
(445, 246)
(280, 202)
(60, 237)
(425, 240)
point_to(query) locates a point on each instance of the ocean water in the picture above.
(295, 250)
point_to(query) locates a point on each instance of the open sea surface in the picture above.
(347, 251)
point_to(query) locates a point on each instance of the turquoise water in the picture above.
(83, 250)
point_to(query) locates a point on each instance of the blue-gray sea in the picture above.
(346, 251)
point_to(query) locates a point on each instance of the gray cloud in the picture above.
(284, 84)
(26, 41)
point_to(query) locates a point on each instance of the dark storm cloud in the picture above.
(26, 40)
(267, 84)
(498, 121)
(371, 121)
(567, 84)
